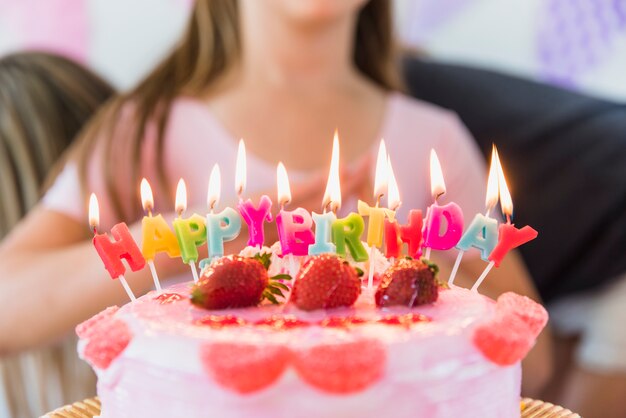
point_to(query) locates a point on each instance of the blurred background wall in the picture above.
(576, 43)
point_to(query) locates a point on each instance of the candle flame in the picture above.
(437, 183)
(505, 196)
(492, 183)
(181, 197)
(147, 200)
(332, 195)
(393, 194)
(380, 179)
(282, 183)
(94, 212)
(215, 180)
(240, 169)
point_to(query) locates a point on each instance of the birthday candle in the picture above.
(347, 234)
(509, 237)
(433, 238)
(482, 233)
(294, 227)
(332, 198)
(253, 216)
(221, 227)
(112, 252)
(156, 233)
(190, 232)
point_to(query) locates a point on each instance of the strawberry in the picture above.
(342, 367)
(107, 339)
(84, 329)
(529, 311)
(503, 340)
(244, 368)
(326, 281)
(409, 283)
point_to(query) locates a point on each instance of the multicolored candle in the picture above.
(253, 216)
(157, 235)
(221, 227)
(482, 233)
(332, 199)
(433, 237)
(396, 234)
(123, 246)
(376, 215)
(190, 232)
(294, 227)
(509, 237)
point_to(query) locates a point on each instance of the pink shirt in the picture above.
(195, 140)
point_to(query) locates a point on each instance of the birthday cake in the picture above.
(319, 325)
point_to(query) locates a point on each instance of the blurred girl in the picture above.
(44, 102)
(283, 74)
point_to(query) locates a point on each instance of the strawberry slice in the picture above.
(503, 340)
(244, 368)
(84, 329)
(107, 340)
(342, 368)
(524, 308)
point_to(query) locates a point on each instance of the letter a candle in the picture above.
(112, 252)
(482, 233)
(509, 237)
(157, 235)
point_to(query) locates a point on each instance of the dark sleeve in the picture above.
(565, 155)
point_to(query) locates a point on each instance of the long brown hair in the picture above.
(44, 102)
(210, 46)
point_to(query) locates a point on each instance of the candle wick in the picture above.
(508, 219)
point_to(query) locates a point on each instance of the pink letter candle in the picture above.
(254, 218)
(294, 231)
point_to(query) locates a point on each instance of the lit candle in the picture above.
(294, 227)
(482, 233)
(376, 214)
(509, 237)
(396, 234)
(332, 199)
(112, 252)
(157, 235)
(433, 237)
(221, 227)
(253, 216)
(190, 232)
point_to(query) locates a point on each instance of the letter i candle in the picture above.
(509, 237)
(332, 199)
(190, 232)
(254, 217)
(112, 252)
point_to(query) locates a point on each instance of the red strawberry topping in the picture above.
(166, 298)
(504, 341)
(106, 341)
(221, 321)
(343, 367)
(409, 283)
(325, 282)
(84, 329)
(244, 368)
(406, 320)
(279, 323)
(526, 309)
(231, 282)
(342, 321)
